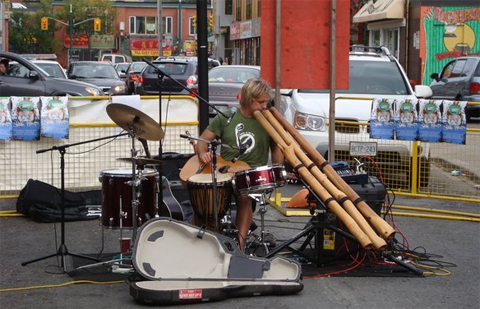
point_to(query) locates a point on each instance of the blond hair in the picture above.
(253, 89)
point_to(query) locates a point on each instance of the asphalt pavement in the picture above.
(450, 247)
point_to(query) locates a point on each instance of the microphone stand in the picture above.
(62, 249)
(160, 75)
(213, 147)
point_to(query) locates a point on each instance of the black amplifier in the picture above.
(335, 244)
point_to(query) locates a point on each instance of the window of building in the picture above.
(192, 27)
(148, 25)
(238, 10)
(228, 7)
(248, 8)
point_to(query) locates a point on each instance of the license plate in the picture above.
(363, 149)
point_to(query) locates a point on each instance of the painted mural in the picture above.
(448, 32)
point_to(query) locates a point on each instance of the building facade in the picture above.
(423, 34)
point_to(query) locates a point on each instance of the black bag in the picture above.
(42, 203)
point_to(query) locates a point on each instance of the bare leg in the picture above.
(244, 218)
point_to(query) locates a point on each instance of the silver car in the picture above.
(225, 82)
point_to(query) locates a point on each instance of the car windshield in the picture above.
(232, 75)
(171, 68)
(137, 66)
(94, 71)
(372, 77)
(52, 69)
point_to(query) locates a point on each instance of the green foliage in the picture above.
(25, 35)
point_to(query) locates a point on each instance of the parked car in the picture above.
(373, 73)
(102, 74)
(225, 82)
(122, 69)
(116, 58)
(459, 80)
(183, 69)
(24, 78)
(53, 68)
(134, 70)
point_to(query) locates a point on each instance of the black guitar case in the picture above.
(181, 264)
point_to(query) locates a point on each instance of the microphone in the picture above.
(233, 111)
(241, 151)
(145, 146)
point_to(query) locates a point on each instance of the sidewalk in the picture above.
(453, 244)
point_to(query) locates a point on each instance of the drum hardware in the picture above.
(62, 250)
(144, 128)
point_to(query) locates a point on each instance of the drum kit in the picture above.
(129, 196)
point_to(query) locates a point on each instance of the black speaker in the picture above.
(335, 244)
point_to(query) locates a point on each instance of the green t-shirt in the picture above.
(430, 108)
(407, 107)
(242, 131)
(455, 109)
(383, 106)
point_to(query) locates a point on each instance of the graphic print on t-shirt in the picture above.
(245, 140)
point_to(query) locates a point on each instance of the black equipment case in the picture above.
(182, 263)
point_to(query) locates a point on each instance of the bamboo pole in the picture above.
(380, 225)
(327, 199)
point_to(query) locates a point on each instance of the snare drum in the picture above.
(254, 180)
(117, 209)
(200, 189)
(279, 174)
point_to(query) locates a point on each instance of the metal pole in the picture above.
(331, 116)
(278, 45)
(160, 27)
(179, 47)
(70, 24)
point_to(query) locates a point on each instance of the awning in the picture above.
(380, 10)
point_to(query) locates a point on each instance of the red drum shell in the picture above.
(117, 209)
(254, 180)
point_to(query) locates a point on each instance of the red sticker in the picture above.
(189, 294)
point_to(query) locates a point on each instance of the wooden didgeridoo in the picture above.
(380, 225)
(326, 198)
(341, 198)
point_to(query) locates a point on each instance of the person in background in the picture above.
(3, 66)
(243, 138)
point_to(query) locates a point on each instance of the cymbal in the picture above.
(135, 121)
(141, 161)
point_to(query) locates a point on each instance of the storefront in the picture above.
(246, 38)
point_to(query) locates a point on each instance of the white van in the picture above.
(116, 58)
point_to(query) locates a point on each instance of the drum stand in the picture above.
(261, 198)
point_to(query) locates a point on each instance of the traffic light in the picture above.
(44, 23)
(97, 24)
(210, 21)
(194, 21)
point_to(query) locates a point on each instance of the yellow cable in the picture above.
(60, 285)
(468, 214)
(408, 214)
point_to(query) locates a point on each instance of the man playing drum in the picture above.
(245, 136)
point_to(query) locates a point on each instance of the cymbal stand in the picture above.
(134, 183)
